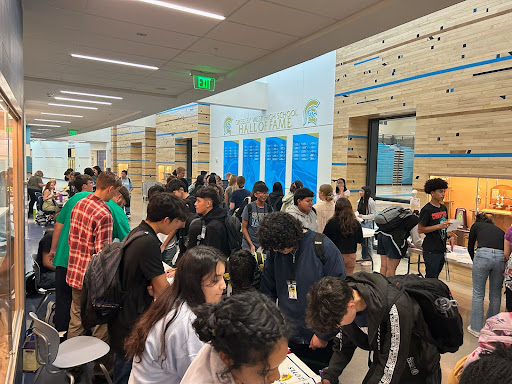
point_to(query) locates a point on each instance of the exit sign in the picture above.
(204, 82)
(72, 133)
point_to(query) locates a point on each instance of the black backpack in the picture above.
(439, 310)
(238, 212)
(233, 232)
(102, 293)
(390, 218)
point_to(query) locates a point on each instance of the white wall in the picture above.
(98, 140)
(288, 90)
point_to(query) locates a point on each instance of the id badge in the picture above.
(292, 289)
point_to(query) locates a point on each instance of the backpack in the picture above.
(268, 207)
(238, 212)
(102, 293)
(440, 310)
(390, 218)
(30, 284)
(233, 232)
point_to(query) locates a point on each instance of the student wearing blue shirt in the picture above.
(292, 267)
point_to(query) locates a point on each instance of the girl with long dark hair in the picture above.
(341, 189)
(275, 198)
(163, 342)
(366, 211)
(345, 232)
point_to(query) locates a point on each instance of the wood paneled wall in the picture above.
(452, 68)
(135, 146)
(177, 125)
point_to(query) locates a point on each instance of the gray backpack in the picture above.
(391, 217)
(102, 293)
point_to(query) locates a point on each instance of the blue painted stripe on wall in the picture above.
(165, 162)
(428, 74)
(175, 133)
(203, 142)
(354, 190)
(131, 133)
(178, 108)
(137, 146)
(342, 164)
(504, 154)
(357, 137)
(203, 123)
(367, 60)
(130, 160)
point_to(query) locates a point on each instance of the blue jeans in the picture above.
(367, 245)
(434, 263)
(488, 263)
(122, 368)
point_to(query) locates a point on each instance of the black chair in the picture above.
(42, 291)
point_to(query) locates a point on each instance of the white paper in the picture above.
(297, 371)
(357, 216)
(454, 224)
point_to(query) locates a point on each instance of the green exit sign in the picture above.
(8, 129)
(72, 133)
(204, 82)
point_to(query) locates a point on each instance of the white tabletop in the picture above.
(367, 232)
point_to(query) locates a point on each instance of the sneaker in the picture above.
(474, 333)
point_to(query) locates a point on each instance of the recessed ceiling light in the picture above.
(82, 101)
(54, 121)
(114, 61)
(184, 9)
(92, 94)
(59, 114)
(43, 125)
(71, 106)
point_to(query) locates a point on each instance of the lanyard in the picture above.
(294, 252)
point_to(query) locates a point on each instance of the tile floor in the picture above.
(355, 371)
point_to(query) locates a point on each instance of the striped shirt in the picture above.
(90, 229)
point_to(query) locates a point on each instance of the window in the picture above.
(391, 157)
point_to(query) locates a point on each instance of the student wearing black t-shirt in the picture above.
(45, 260)
(434, 223)
(140, 268)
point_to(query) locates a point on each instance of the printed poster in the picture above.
(305, 160)
(231, 157)
(251, 162)
(275, 161)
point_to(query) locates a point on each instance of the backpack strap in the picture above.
(318, 245)
(132, 236)
(249, 213)
(260, 260)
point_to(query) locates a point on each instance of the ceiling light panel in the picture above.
(184, 9)
(72, 106)
(59, 114)
(82, 101)
(43, 125)
(114, 61)
(92, 95)
(54, 121)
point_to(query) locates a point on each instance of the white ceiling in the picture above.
(257, 38)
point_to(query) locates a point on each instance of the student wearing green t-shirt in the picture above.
(60, 247)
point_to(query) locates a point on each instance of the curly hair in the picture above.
(433, 184)
(278, 231)
(327, 304)
(175, 185)
(491, 367)
(245, 327)
(165, 204)
(242, 266)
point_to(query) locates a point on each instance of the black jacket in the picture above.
(275, 200)
(215, 234)
(394, 335)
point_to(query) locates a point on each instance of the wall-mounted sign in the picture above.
(204, 82)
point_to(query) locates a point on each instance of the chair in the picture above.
(71, 353)
(42, 291)
(42, 217)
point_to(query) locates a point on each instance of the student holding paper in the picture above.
(434, 223)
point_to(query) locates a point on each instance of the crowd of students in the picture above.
(175, 324)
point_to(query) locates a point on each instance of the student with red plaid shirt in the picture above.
(90, 229)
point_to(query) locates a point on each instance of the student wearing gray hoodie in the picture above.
(303, 208)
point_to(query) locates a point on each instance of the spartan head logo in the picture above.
(227, 126)
(311, 112)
